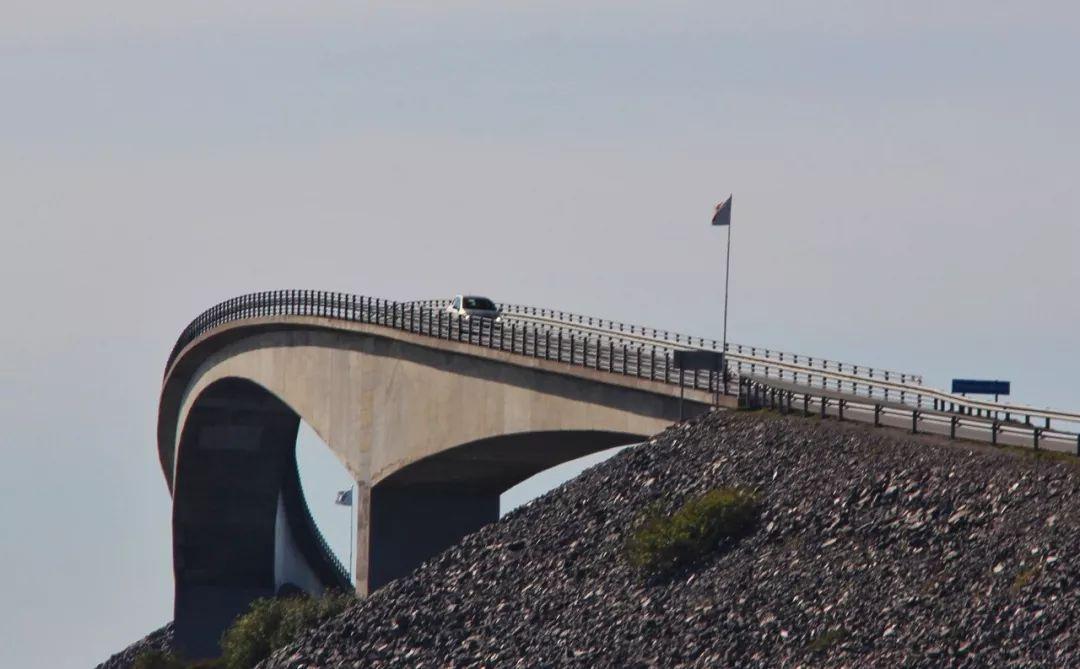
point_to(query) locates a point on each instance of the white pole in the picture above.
(352, 490)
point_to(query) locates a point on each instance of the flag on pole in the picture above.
(344, 498)
(723, 213)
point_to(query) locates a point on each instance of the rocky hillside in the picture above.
(160, 639)
(872, 549)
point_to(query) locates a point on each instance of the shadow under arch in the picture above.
(241, 526)
(428, 506)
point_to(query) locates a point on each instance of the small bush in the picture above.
(662, 542)
(828, 640)
(273, 623)
(1024, 579)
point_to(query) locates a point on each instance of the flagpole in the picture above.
(727, 276)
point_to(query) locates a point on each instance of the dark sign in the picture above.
(698, 360)
(969, 386)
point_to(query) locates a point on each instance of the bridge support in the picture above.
(408, 525)
(241, 529)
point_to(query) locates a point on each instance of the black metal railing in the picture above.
(585, 346)
(311, 541)
(569, 346)
(988, 427)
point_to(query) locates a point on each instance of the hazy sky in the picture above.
(904, 181)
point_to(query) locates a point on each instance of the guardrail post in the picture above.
(513, 336)
(877, 415)
(840, 408)
(610, 356)
(953, 420)
(638, 368)
(1037, 432)
(993, 433)
(914, 421)
(625, 363)
(824, 405)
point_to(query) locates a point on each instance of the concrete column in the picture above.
(410, 524)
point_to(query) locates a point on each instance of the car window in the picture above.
(479, 303)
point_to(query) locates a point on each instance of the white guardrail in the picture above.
(759, 394)
(892, 391)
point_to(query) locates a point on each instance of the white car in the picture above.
(474, 306)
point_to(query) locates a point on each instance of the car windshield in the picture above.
(479, 303)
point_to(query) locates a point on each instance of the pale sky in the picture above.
(904, 180)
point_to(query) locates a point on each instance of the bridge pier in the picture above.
(410, 524)
(241, 529)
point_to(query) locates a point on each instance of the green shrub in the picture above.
(662, 542)
(1024, 579)
(273, 623)
(828, 640)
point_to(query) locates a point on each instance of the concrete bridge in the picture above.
(433, 416)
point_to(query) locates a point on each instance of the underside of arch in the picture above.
(424, 508)
(241, 527)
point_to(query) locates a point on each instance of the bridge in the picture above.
(435, 416)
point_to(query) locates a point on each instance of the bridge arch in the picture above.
(432, 431)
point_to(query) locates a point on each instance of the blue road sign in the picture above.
(974, 387)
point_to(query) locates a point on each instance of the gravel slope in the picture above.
(160, 639)
(874, 549)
